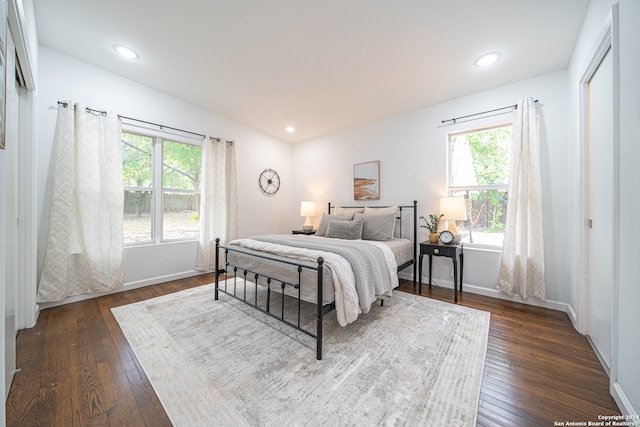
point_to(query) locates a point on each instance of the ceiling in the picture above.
(319, 66)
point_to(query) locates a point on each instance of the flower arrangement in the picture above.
(432, 223)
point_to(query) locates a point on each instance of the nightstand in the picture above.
(307, 232)
(452, 251)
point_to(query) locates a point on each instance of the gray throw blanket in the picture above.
(371, 269)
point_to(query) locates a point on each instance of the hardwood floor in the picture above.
(77, 369)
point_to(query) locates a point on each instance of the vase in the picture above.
(434, 237)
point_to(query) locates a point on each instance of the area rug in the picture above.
(413, 361)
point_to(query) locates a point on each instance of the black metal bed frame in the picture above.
(319, 268)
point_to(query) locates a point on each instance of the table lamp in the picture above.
(307, 209)
(454, 209)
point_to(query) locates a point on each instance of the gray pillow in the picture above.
(378, 226)
(324, 222)
(349, 230)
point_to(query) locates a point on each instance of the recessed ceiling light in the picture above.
(290, 129)
(487, 59)
(125, 51)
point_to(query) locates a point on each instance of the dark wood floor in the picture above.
(77, 369)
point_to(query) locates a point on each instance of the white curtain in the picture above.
(522, 269)
(84, 251)
(218, 201)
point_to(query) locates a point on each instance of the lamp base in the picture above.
(308, 225)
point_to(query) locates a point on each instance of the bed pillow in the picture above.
(377, 226)
(390, 209)
(349, 230)
(345, 211)
(324, 222)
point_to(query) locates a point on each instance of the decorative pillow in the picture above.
(377, 226)
(349, 230)
(342, 211)
(390, 209)
(324, 222)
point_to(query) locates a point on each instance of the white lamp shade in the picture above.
(453, 208)
(307, 208)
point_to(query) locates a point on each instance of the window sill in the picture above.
(166, 242)
(482, 248)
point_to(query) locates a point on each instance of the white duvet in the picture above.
(346, 298)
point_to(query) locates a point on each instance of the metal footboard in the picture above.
(238, 290)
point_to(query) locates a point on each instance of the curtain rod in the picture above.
(104, 113)
(454, 120)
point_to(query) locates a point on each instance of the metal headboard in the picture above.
(414, 208)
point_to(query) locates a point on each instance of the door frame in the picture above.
(26, 305)
(608, 39)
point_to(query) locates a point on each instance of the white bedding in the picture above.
(350, 300)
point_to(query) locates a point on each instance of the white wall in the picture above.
(3, 222)
(627, 375)
(64, 78)
(412, 153)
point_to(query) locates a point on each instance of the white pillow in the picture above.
(343, 211)
(390, 209)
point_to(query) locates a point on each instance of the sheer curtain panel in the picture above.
(218, 202)
(84, 253)
(522, 267)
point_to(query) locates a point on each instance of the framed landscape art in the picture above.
(366, 181)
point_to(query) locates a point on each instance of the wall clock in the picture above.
(269, 181)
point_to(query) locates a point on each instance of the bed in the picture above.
(351, 262)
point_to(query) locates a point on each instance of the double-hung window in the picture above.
(161, 188)
(479, 171)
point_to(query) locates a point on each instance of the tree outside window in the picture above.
(181, 175)
(161, 189)
(479, 171)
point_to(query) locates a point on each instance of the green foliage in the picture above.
(182, 165)
(433, 223)
(490, 151)
(136, 160)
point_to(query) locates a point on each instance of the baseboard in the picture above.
(573, 317)
(550, 304)
(599, 356)
(162, 279)
(624, 404)
(126, 287)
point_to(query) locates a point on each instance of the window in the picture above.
(161, 189)
(479, 171)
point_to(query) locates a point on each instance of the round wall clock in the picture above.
(269, 181)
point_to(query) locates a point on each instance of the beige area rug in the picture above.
(414, 361)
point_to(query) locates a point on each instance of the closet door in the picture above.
(601, 209)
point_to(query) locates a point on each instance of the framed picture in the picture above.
(366, 181)
(3, 66)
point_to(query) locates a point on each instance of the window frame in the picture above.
(157, 187)
(469, 188)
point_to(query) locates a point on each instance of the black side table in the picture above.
(307, 232)
(452, 251)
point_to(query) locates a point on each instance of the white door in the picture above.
(12, 242)
(601, 186)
